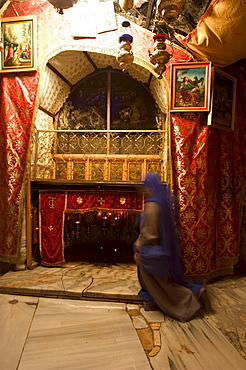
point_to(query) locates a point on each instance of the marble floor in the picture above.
(89, 316)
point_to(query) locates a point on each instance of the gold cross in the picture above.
(50, 227)
(52, 202)
(101, 201)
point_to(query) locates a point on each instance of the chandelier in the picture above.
(62, 4)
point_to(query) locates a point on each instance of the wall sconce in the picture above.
(170, 10)
(125, 56)
(160, 56)
(62, 4)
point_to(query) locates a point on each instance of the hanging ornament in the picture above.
(62, 4)
(126, 4)
(125, 56)
(170, 10)
(160, 56)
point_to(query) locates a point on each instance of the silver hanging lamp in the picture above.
(62, 4)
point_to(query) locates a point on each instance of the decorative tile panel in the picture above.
(116, 171)
(61, 170)
(135, 171)
(79, 171)
(97, 171)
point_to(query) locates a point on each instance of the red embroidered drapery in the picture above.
(118, 200)
(51, 207)
(53, 204)
(18, 95)
(193, 184)
(208, 179)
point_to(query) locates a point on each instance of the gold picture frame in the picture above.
(19, 37)
(190, 86)
(223, 100)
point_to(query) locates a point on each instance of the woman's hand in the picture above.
(137, 259)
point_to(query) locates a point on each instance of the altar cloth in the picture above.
(52, 208)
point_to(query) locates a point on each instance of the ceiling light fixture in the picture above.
(126, 4)
(125, 56)
(62, 4)
(160, 57)
(170, 10)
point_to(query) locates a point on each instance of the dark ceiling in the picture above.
(144, 13)
(2, 2)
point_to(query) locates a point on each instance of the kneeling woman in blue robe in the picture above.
(158, 259)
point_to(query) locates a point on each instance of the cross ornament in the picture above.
(101, 201)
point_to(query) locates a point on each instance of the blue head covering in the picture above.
(168, 235)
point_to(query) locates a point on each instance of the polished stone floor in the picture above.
(89, 316)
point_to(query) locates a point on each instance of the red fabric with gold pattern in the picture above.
(232, 174)
(51, 207)
(18, 95)
(17, 8)
(53, 204)
(104, 200)
(208, 177)
(195, 186)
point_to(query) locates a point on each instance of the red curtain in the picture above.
(118, 200)
(18, 95)
(208, 177)
(53, 204)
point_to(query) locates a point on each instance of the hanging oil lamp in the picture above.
(125, 56)
(126, 4)
(160, 56)
(62, 4)
(170, 10)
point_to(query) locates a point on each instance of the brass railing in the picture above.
(118, 155)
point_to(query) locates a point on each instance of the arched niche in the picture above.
(61, 72)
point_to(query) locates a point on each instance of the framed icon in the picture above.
(190, 86)
(19, 37)
(223, 100)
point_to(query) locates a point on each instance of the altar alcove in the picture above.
(98, 131)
